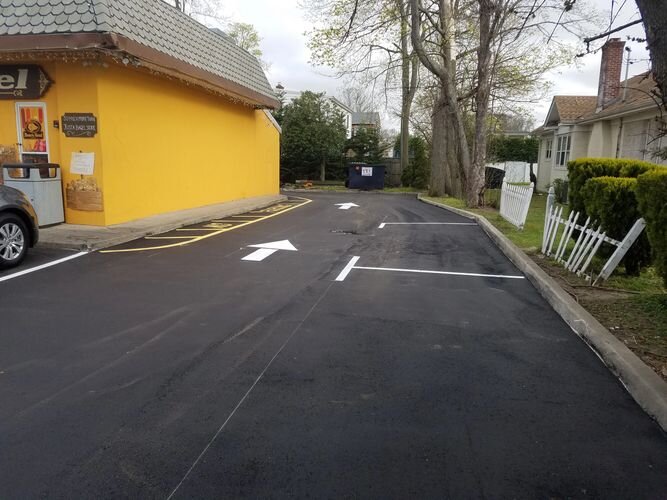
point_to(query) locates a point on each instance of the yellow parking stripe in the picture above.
(212, 233)
(168, 237)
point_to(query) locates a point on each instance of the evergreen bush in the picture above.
(582, 169)
(651, 195)
(611, 203)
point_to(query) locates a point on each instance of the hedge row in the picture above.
(605, 190)
(579, 171)
(652, 197)
(611, 202)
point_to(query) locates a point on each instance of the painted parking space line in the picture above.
(352, 265)
(346, 270)
(42, 266)
(382, 226)
(214, 227)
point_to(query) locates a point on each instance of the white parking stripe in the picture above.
(43, 266)
(424, 271)
(346, 270)
(381, 226)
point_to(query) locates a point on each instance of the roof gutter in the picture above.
(646, 107)
(152, 58)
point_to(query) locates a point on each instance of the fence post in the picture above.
(551, 198)
(621, 250)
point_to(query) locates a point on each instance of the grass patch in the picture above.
(529, 239)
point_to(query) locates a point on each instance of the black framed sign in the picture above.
(27, 81)
(79, 124)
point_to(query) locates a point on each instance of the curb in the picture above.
(353, 191)
(643, 384)
(131, 235)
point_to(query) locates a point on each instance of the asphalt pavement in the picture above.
(411, 360)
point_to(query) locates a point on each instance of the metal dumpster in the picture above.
(363, 176)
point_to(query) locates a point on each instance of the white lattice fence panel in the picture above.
(515, 202)
(578, 258)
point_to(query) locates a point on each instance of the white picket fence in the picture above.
(514, 202)
(580, 256)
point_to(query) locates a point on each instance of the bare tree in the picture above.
(370, 38)
(358, 98)
(654, 16)
(470, 47)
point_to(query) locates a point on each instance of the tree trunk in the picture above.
(409, 69)
(439, 146)
(475, 177)
(654, 16)
(323, 168)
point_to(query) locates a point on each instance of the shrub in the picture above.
(417, 173)
(652, 199)
(611, 202)
(560, 190)
(579, 171)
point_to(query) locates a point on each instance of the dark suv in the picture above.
(19, 228)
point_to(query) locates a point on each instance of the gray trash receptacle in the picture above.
(42, 184)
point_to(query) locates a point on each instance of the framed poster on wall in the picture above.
(32, 128)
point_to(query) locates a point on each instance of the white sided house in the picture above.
(622, 121)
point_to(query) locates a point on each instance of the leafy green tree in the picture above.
(364, 146)
(417, 173)
(313, 135)
(245, 36)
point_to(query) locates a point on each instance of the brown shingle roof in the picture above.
(640, 94)
(572, 107)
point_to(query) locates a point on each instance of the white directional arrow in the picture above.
(266, 249)
(346, 206)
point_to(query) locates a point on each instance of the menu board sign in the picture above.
(79, 124)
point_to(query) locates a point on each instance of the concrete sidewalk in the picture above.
(79, 237)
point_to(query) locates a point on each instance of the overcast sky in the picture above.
(282, 25)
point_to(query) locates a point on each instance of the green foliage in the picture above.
(560, 190)
(579, 171)
(313, 132)
(501, 148)
(245, 36)
(364, 146)
(417, 172)
(652, 198)
(611, 202)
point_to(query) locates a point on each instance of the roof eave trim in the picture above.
(618, 114)
(114, 41)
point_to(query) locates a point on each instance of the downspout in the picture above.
(618, 139)
(625, 92)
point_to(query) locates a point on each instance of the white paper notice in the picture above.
(82, 163)
(367, 171)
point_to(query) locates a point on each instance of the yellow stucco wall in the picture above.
(74, 90)
(168, 147)
(161, 145)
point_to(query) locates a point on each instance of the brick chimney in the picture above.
(609, 85)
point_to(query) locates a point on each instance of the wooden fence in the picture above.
(515, 201)
(578, 258)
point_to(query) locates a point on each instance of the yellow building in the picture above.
(145, 110)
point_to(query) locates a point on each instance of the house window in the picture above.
(563, 143)
(547, 149)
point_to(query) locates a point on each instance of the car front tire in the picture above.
(14, 240)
